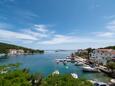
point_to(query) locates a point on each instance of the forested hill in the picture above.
(4, 48)
(110, 47)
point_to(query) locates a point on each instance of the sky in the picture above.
(58, 24)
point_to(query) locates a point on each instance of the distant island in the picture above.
(10, 49)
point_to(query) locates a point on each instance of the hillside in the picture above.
(110, 47)
(4, 48)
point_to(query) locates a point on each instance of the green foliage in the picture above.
(23, 78)
(110, 47)
(15, 78)
(111, 66)
(4, 48)
(82, 54)
(64, 80)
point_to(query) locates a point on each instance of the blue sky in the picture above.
(58, 24)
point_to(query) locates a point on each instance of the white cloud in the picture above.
(41, 35)
(41, 28)
(110, 30)
(105, 34)
(40, 31)
(58, 39)
(34, 33)
(111, 25)
(64, 39)
(5, 34)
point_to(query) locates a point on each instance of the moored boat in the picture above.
(74, 75)
(56, 72)
(89, 69)
(97, 83)
(78, 63)
(112, 81)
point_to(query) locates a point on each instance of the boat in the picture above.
(74, 75)
(64, 62)
(97, 83)
(78, 63)
(1, 55)
(100, 84)
(57, 62)
(112, 81)
(89, 69)
(56, 72)
(3, 72)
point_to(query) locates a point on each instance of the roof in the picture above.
(106, 50)
(113, 52)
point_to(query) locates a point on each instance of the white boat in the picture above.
(100, 84)
(74, 75)
(78, 63)
(64, 62)
(3, 71)
(56, 72)
(89, 69)
(112, 81)
(1, 55)
(97, 83)
(57, 61)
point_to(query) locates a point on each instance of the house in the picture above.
(102, 56)
(16, 51)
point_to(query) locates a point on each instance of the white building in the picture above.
(101, 56)
(16, 51)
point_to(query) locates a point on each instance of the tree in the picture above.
(64, 80)
(111, 66)
(89, 50)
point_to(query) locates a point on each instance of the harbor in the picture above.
(50, 61)
(88, 67)
(46, 64)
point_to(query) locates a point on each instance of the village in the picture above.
(93, 61)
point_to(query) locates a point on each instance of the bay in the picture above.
(46, 64)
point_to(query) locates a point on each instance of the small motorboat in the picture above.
(56, 72)
(78, 63)
(57, 61)
(3, 71)
(97, 83)
(89, 69)
(100, 84)
(112, 81)
(74, 75)
(65, 62)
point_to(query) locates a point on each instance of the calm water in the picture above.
(45, 64)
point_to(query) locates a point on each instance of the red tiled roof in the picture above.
(113, 52)
(108, 50)
(105, 50)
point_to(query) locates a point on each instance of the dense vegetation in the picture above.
(85, 55)
(18, 77)
(82, 54)
(15, 78)
(64, 80)
(111, 47)
(111, 66)
(4, 48)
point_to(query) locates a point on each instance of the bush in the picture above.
(64, 80)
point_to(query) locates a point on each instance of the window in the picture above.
(101, 53)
